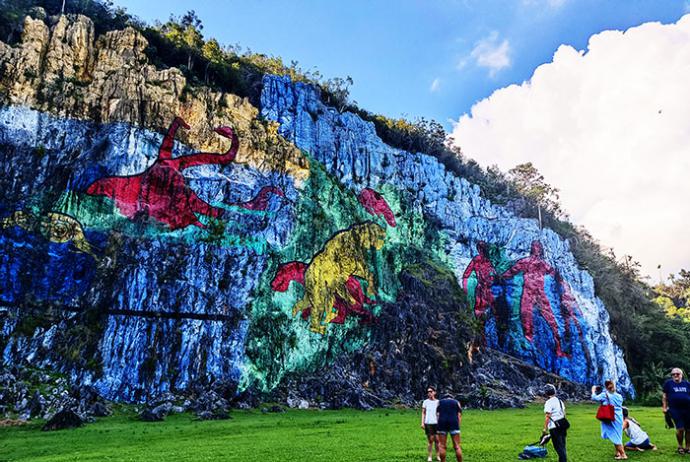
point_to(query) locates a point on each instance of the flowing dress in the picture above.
(611, 431)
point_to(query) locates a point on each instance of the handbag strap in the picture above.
(562, 408)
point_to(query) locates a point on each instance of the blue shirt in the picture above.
(678, 394)
(448, 410)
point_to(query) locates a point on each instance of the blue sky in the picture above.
(396, 50)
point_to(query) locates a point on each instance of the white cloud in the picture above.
(611, 129)
(492, 53)
(435, 85)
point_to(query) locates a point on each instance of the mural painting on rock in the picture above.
(488, 290)
(332, 278)
(541, 309)
(162, 193)
(342, 261)
(333, 290)
(167, 260)
(204, 268)
(56, 227)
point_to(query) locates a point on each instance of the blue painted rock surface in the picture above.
(271, 273)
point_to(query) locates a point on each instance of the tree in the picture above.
(214, 54)
(185, 32)
(338, 91)
(530, 183)
(674, 298)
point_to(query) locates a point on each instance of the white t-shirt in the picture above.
(430, 416)
(635, 433)
(553, 407)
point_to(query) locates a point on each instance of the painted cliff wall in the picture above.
(154, 236)
(523, 283)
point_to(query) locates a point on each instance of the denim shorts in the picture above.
(681, 417)
(445, 428)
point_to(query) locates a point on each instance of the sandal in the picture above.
(681, 451)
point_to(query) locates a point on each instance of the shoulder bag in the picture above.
(606, 412)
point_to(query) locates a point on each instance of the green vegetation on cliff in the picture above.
(674, 297)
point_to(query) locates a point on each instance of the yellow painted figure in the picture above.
(56, 227)
(343, 256)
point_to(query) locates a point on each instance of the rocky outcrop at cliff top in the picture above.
(140, 271)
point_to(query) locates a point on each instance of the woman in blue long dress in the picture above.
(612, 431)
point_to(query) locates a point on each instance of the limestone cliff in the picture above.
(156, 235)
(66, 71)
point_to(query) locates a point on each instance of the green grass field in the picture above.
(347, 435)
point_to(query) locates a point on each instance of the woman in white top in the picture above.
(554, 409)
(429, 421)
(639, 439)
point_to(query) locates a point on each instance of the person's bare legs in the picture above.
(442, 446)
(456, 446)
(433, 441)
(687, 440)
(620, 451)
(680, 432)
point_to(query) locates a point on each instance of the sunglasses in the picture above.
(676, 373)
(430, 391)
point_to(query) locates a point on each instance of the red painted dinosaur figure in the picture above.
(161, 191)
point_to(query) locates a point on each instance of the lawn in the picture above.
(347, 435)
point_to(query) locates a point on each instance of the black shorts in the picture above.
(430, 429)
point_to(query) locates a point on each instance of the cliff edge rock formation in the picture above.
(155, 235)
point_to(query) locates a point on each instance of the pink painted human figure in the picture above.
(534, 268)
(485, 272)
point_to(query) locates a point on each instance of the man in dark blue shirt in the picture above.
(676, 400)
(449, 414)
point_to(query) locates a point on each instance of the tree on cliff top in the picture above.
(530, 184)
(185, 32)
(674, 297)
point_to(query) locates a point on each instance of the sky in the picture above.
(514, 81)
